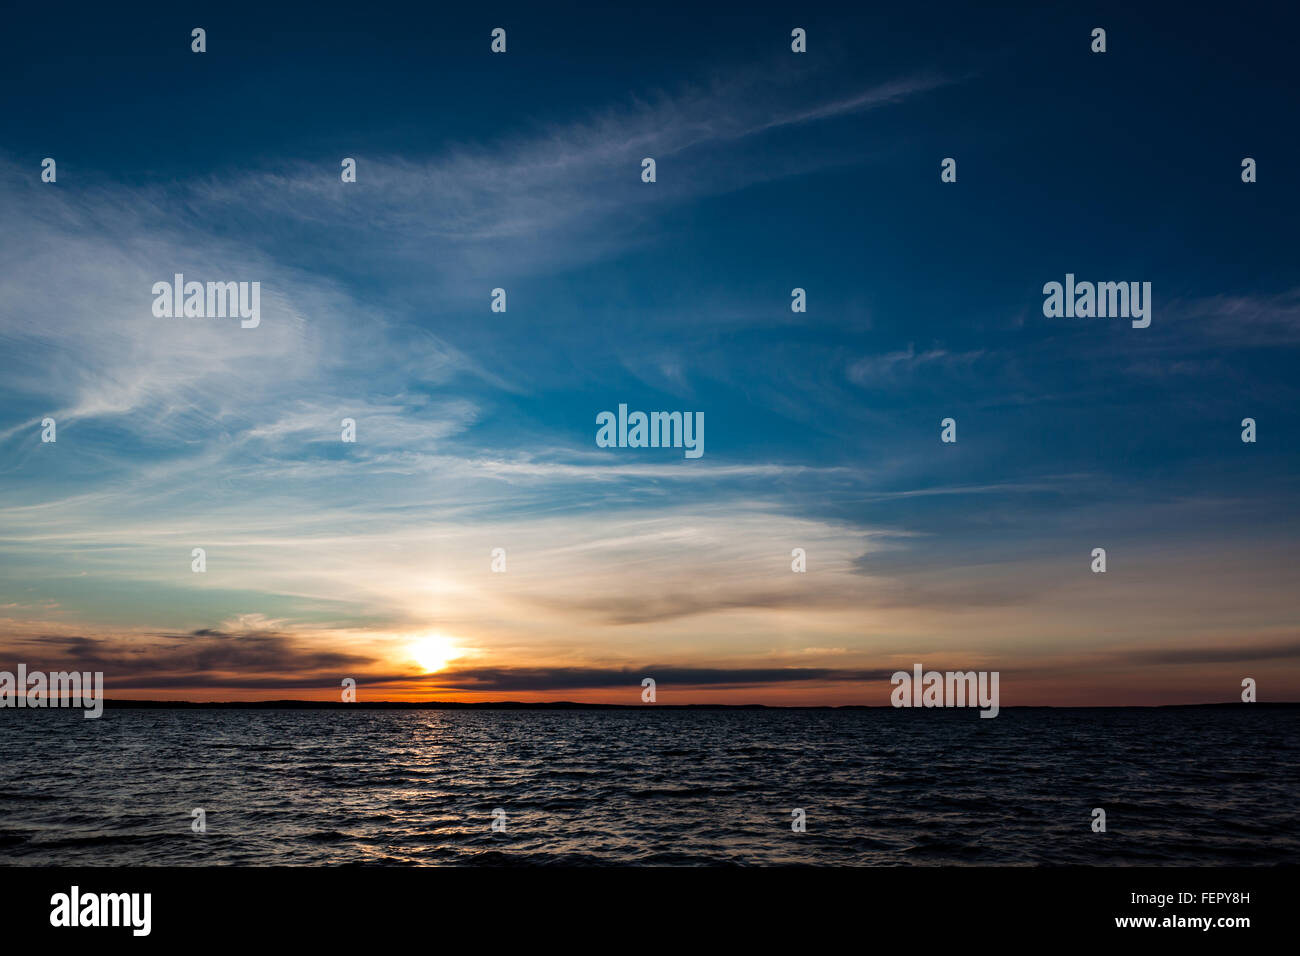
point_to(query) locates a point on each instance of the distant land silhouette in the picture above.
(576, 705)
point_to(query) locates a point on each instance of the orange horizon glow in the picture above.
(1133, 692)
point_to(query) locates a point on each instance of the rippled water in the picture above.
(1209, 785)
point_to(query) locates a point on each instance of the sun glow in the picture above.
(433, 652)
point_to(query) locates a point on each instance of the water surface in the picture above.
(650, 786)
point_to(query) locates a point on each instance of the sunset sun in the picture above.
(432, 653)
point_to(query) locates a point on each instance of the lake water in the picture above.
(651, 786)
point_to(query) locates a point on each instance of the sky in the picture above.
(476, 430)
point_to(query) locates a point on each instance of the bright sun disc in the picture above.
(433, 653)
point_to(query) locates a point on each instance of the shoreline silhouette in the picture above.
(289, 704)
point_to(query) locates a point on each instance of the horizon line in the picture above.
(296, 704)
